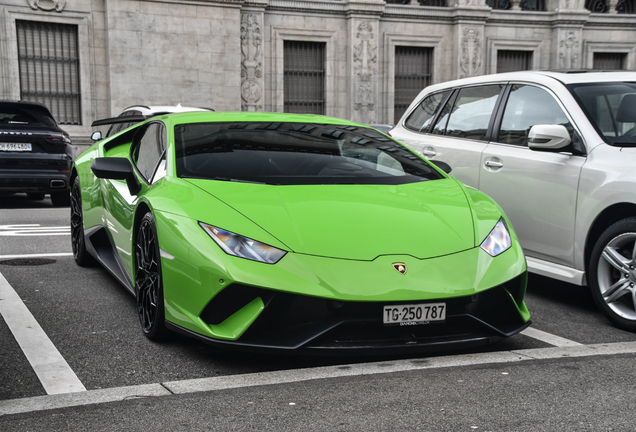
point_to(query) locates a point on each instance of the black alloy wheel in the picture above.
(78, 241)
(148, 280)
(613, 273)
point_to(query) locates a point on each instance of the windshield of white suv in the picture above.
(611, 107)
(294, 154)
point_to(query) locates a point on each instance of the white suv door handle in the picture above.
(429, 152)
(493, 164)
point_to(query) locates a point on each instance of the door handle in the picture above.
(429, 152)
(493, 164)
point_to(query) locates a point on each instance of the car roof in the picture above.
(565, 77)
(38, 107)
(256, 116)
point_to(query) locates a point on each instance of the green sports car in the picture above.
(295, 232)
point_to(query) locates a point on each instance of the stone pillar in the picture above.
(365, 71)
(252, 58)
(567, 40)
(470, 20)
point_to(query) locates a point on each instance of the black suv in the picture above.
(35, 154)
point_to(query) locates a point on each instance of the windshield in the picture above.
(611, 107)
(295, 153)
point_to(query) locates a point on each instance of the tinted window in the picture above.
(422, 116)
(295, 153)
(149, 150)
(471, 112)
(611, 107)
(528, 106)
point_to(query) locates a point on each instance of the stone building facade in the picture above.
(234, 54)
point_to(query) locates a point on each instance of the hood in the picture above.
(358, 222)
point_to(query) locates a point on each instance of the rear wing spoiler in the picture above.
(123, 119)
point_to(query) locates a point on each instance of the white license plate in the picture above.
(408, 314)
(15, 147)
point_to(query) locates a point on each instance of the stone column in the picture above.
(471, 16)
(252, 59)
(365, 72)
(567, 40)
(364, 41)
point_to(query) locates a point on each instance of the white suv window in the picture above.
(422, 116)
(528, 106)
(471, 113)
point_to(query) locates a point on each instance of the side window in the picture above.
(422, 116)
(470, 114)
(528, 106)
(149, 150)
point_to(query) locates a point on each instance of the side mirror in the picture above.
(442, 165)
(96, 136)
(116, 169)
(551, 138)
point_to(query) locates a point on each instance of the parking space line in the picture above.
(48, 364)
(40, 255)
(549, 338)
(189, 386)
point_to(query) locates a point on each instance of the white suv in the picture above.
(558, 152)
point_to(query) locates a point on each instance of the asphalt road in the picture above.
(572, 370)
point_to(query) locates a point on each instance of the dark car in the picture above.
(35, 153)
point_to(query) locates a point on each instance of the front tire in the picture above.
(148, 280)
(613, 273)
(78, 241)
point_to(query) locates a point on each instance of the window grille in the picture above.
(609, 61)
(532, 5)
(626, 7)
(499, 4)
(48, 58)
(413, 72)
(442, 3)
(598, 6)
(304, 77)
(509, 60)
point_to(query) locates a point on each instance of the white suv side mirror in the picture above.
(548, 137)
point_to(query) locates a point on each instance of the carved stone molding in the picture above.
(365, 65)
(471, 52)
(47, 5)
(569, 51)
(251, 62)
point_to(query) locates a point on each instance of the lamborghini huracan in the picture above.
(295, 233)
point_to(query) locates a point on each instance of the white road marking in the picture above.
(40, 403)
(53, 371)
(33, 230)
(40, 255)
(549, 338)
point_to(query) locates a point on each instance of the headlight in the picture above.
(498, 241)
(243, 247)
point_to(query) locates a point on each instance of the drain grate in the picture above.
(27, 261)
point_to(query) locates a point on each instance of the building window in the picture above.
(413, 72)
(609, 61)
(509, 60)
(499, 4)
(48, 58)
(626, 7)
(598, 6)
(304, 77)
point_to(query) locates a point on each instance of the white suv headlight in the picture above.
(243, 247)
(498, 241)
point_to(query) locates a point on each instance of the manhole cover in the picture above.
(27, 261)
